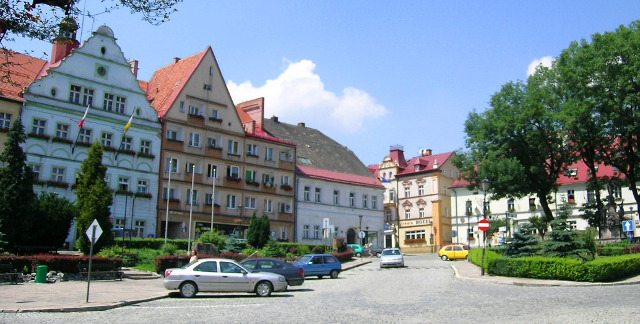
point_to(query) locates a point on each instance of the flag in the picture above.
(385, 180)
(126, 127)
(81, 123)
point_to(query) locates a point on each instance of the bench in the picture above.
(9, 273)
(130, 259)
(100, 271)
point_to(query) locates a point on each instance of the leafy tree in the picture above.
(94, 199)
(540, 224)
(215, 238)
(57, 213)
(252, 231)
(589, 243)
(522, 244)
(16, 189)
(517, 143)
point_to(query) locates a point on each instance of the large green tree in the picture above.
(94, 199)
(517, 144)
(258, 233)
(16, 189)
(54, 215)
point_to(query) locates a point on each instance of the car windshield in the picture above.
(304, 259)
(391, 252)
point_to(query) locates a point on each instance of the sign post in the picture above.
(483, 225)
(628, 226)
(93, 233)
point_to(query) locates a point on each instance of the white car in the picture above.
(391, 258)
(221, 275)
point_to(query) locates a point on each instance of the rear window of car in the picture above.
(304, 259)
(328, 259)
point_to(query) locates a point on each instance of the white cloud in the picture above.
(299, 95)
(544, 61)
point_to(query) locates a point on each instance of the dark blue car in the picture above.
(319, 265)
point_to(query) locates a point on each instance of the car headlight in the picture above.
(282, 279)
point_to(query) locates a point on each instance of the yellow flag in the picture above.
(126, 127)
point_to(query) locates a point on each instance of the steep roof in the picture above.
(167, 83)
(316, 150)
(426, 163)
(17, 72)
(338, 177)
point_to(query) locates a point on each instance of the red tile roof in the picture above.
(167, 83)
(17, 71)
(426, 163)
(338, 177)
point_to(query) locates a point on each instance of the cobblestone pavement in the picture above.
(425, 291)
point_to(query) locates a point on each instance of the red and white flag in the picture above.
(81, 123)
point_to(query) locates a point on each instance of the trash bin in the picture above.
(41, 273)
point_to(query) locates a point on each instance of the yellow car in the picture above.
(453, 251)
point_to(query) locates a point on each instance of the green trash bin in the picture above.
(41, 273)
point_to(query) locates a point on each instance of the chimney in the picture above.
(134, 67)
(426, 152)
(274, 118)
(176, 60)
(301, 124)
(66, 41)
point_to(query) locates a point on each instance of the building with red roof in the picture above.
(417, 203)
(220, 172)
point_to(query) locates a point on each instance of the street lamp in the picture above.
(361, 236)
(485, 188)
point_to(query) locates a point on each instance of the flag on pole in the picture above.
(81, 123)
(385, 180)
(126, 127)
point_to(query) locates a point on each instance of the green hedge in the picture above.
(602, 269)
(59, 263)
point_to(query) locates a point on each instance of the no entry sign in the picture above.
(483, 225)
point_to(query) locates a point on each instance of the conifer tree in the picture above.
(94, 199)
(563, 241)
(522, 244)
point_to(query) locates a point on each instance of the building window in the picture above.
(268, 180)
(173, 163)
(617, 192)
(232, 147)
(421, 212)
(305, 231)
(126, 143)
(120, 104)
(192, 197)
(352, 199)
(194, 139)
(74, 94)
(85, 135)
(171, 193)
(145, 146)
(233, 171)
(139, 229)
(181, 106)
(268, 154)
(392, 195)
(336, 197)
(252, 150)
(5, 120)
(511, 205)
(268, 206)
(286, 156)
(285, 181)
(316, 232)
(413, 235)
(212, 142)
(212, 171)
(62, 131)
(407, 214)
(107, 103)
(119, 223)
(231, 202)
(307, 194)
(374, 202)
(249, 202)
(365, 201)
(208, 199)
(591, 195)
(195, 110)
(123, 184)
(57, 174)
(35, 169)
(39, 126)
(532, 204)
(107, 139)
(143, 186)
(318, 194)
(387, 215)
(87, 97)
(172, 135)
(190, 167)
(407, 192)
(421, 190)
(283, 233)
(214, 113)
(251, 175)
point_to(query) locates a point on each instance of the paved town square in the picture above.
(426, 290)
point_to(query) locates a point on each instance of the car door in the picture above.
(233, 278)
(315, 265)
(458, 251)
(206, 276)
(271, 266)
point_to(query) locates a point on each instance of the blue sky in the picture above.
(370, 74)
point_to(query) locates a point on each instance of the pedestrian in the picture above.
(194, 256)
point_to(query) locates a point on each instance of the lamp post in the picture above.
(166, 216)
(485, 188)
(213, 194)
(193, 173)
(468, 212)
(361, 236)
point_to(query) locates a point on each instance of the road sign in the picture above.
(361, 234)
(98, 231)
(628, 226)
(483, 225)
(454, 233)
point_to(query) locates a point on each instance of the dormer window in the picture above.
(572, 173)
(417, 167)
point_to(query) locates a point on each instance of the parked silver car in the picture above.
(391, 258)
(221, 275)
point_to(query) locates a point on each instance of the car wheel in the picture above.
(320, 277)
(444, 258)
(264, 289)
(333, 274)
(358, 254)
(188, 289)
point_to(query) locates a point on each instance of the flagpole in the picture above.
(193, 173)
(166, 216)
(81, 125)
(126, 128)
(213, 197)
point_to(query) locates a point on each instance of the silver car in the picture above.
(391, 258)
(221, 275)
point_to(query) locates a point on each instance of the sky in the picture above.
(369, 74)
